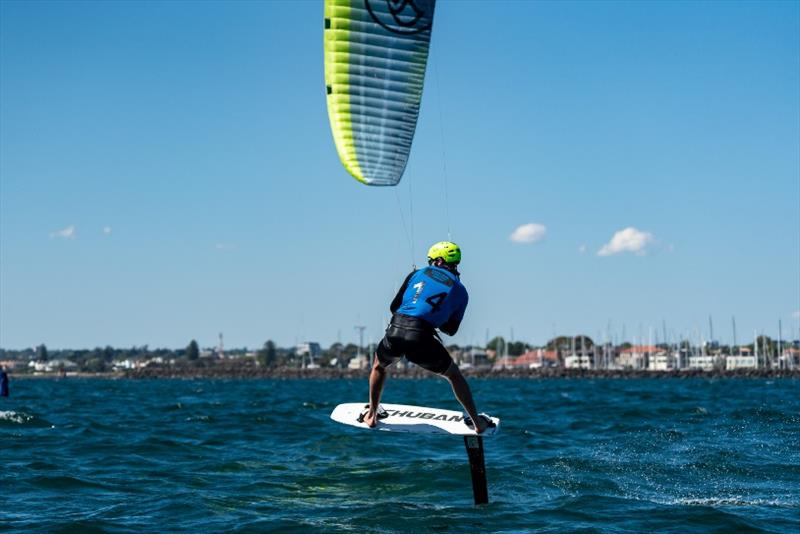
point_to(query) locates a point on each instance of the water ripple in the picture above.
(253, 456)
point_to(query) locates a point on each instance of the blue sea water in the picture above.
(94, 455)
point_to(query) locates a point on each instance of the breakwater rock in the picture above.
(249, 369)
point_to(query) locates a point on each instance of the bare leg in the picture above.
(464, 396)
(376, 379)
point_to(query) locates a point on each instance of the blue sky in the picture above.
(167, 173)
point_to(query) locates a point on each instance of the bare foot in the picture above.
(480, 424)
(371, 418)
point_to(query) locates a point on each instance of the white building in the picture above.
(537, 358)
(53, 365)
(661, 361)
(472, 357)
(578, 361)
(790, 358)
(358, 362)
(310, 351)
(636, 357)
(309, 348)
(703, 363)
(740, 362)
(505, 362)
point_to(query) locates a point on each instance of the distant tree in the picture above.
(283, 357)
(324, 359)
(583, 342)
(108, 354)
(517, 348)
(766, 345)
(267, 356)
(767, 348)
(95, 365)
(497, 344)
(41, 353)
(192, 350)
(290, 357)
(334, 352)
(560, 343)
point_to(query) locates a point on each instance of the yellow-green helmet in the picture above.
(446, 250)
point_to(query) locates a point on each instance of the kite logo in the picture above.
(402, 16)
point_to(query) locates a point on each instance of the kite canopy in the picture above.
(375, 57)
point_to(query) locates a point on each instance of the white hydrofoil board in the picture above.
(413, 419)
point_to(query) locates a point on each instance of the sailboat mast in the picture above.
(710, 330)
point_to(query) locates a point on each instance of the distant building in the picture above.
(790, 358)
(504, 362)
(309, 348)
(134, 364)
(661, 361)
(605, 356)
(536, 358)
(578, 361)
(636, 356)
(740, 362)
(533, 359)
(53, 366)
(703, 363)
(308, 352)
(471, 357)
(11, 364)
(358, 362)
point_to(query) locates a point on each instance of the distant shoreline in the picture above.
(287, 373)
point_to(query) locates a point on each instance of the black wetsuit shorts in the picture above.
(416, 340)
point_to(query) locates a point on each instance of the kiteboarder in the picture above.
(430, 298)
(3, 382)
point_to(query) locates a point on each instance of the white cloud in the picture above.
(65, 233)
(628, 240)
(582, 249)
(106, 230)
(796, 314)
(528, 233)
(225, 246)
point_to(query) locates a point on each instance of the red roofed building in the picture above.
(636, 357)
(536, 358)
(790, 359)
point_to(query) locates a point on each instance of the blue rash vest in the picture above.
(434, 295)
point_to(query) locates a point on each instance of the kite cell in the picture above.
(376, 52)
